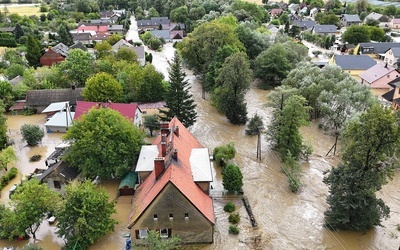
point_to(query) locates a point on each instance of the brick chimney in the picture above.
(164, 128)
(163, 148)
(159, 166)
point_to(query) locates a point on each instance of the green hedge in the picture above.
(5, 179)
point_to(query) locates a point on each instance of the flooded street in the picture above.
(285, 220)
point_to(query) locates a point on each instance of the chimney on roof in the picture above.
(176, 130)
(163, 148)
(175, 154)
(386, 65)
(164, 127)
(159, 166)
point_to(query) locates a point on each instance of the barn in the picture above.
(127, 184)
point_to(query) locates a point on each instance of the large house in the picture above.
(304, 24)
(325, 29)
(353, 64)
(172, 198)
(348, 20)
(139, 50)
(375, 50)
(54, 55)
(129, 110)
(392, 56)
(378, 78)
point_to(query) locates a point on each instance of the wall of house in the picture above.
(195, 229)
(389, 58)
(51, 178)
(56, 129)
(50, 58)
(138, 118)
(143, 176)
(205, 186)
(383, 81)
(379, 92)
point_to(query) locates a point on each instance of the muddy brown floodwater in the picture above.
(285, 220)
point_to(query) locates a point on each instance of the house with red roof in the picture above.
(174, 184)
(129, 110)
(378, 77)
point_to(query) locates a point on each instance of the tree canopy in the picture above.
(32, 134)
(85, 215)
(78, 66)
(232, 178)
(104, 143)
(102, 87)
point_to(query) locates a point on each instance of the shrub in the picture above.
(232, 178)
(234, 218)
(35, 158)
(233, 230)
(229, 207)
(5, 179)
(255, 125)
(32, 134)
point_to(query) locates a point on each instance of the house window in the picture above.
(171, 216)
(186, 216)
(388, 76)
(144, 112)
(155, 217)
(143, 233)
(57, 184)
(165, 232)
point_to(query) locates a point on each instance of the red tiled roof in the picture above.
(177, 173)
(126, 109)
(98, 28)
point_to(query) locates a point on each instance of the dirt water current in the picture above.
(285, 220)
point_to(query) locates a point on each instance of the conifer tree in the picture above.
(178, 100)
(18, 32)
(33, 51)
(64, 35)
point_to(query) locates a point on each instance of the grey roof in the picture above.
(78, 45)
(326, 28)
(139, 52)
(121, 43)
(44, 97)
(99, 21)
(396, 51)
(115, 27)
(304, 23)
(160, 33)
(62, 169)
(379, 48)
(16, 80)
(80, 36)
(106, 13)
(373, 16)
(61, 49)
(351, 18)
(154, 21)
(354, 62)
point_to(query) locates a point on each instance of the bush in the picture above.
(232, 178)
(234, 230)
(35, 158)
(229, 207)
(234, 218)
(32, 134)
(5, 179)
(255, 125)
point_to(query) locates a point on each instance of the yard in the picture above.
(24, 10)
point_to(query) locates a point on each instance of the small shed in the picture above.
(127, 184)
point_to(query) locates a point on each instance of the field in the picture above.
(24, 10)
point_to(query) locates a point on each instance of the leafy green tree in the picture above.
(376, 33)
(361, 5)
(222, 154)
(272, 65)
(390, 10)
(152, 123)
(199, 47)
(152, 87)
(3, 126)
(154, 241)
(32, 134)
(7, 156)
(255, 125)
(126, 54)
(117, 145)
(370, 145)
(179, 101)
(179, 14)
(8, 223)
(196, 13)
(292, 170)
(331, 18)
(6, 94)
(78, 66)
(152, 12)
(254, 10)
(356, 34)
(102, 87)
(64, 35)
(85, 215)
(14, 70)
(254, 41)
(284, 129)
(232, 178)
(114, 38)
(30, 208)
(234, 78)
(102, 49)
(33, 51)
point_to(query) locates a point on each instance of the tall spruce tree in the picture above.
(370, 157)
(178, 100)
(33, 51)
(18, 32)
(64, 35)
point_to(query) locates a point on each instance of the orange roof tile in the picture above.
(178, 173)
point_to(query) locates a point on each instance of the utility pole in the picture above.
(259, 144)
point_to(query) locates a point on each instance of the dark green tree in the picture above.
(85, 215)
(78, 66)
(64, 35)
(18, 31)
(3, 126)
(116, 148)
(152, 123)
(179, 101)
(232, 178)
(102, 87)
(222, 154)
(32, 134)
(33, 51)
(255, 125)
(234, 78)
(6, 94)
(356, 34)
(370, 148)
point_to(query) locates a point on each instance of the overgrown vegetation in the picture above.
(229, 207)
(233, 230)
(5, 179)
(222, 154)
(234, 218)
(32, 134)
